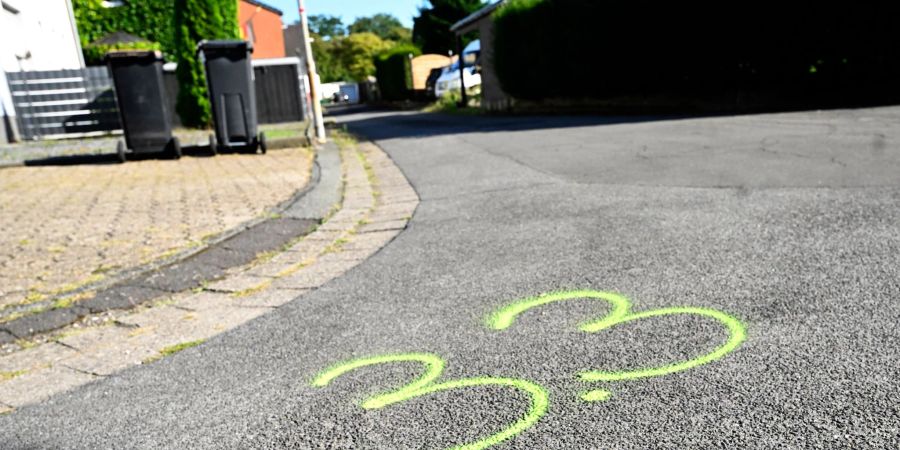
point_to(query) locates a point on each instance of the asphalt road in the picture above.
(787, 223)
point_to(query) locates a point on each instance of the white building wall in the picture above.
(35, 35)
(43, 29)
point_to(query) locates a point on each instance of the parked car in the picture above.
(449, 80)
(431, 81)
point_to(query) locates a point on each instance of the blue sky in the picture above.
(348, 10)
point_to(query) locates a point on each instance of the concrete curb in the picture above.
(377, 204)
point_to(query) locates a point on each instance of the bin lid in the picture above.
(155, 55)
(236, 45)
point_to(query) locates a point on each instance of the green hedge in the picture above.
(196, 20)
(602, 49)
(148, 19)
(393, 71)
(96, 54)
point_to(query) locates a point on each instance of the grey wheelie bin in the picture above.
(143, 111)
(232, 95)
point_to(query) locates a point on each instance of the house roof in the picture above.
(264, 6)
(466, 24)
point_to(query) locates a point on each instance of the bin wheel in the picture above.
(120, 152)
(176, 148)
(213, 147)
(262, 143)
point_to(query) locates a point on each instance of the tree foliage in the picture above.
(197, 20)
(386, 26)
(431, 29)
(148, 19)
(544, 48)
(349, 58)
(325, 26)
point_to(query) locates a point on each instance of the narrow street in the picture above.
(566, 282)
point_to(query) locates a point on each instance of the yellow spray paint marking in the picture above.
(426, 385)
(620, 314)
(502, 319)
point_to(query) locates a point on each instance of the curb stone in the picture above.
(83, 355)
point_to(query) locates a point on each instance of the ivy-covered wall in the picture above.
(196, 20)
(148, 19)
(173, 26)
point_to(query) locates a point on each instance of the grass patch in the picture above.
(250, 291)
(56, 249)
(208, 237)
(95, 278)
(295, 268)
(71, 300)
(102, 269)
(33, 297)
(6, 376)
(263, 257)
(283, 133)
(449, 104)
(25, 344)
(336, 246)
(173, 349)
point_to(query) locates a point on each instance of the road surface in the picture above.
(746, 267)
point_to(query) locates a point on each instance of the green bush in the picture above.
(197, 20)
(603, 49)
(96, 54)
(393, 71)
(148, 19)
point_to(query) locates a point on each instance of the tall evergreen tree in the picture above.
(196, 20)
(431, 30)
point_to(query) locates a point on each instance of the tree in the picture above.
(328, 27)
(327, 64)
(357, 54)
(386, 26)
(196, 20)
(431, 30)
(349, 58)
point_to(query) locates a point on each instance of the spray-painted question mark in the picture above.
(620, 314)
(502, 319)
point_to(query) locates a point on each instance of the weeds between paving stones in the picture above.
(173, 349)
(6, 376)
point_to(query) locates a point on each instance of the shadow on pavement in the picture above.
(408, 124)
(110, 158)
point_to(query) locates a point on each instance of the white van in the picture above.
(449, 79)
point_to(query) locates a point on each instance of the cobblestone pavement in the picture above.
(64, 227)
(377, 202)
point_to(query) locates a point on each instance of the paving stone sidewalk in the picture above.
(69, 226)
(377, 203)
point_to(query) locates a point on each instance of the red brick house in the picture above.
(261, 25)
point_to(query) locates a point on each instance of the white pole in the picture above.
(311, 71)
